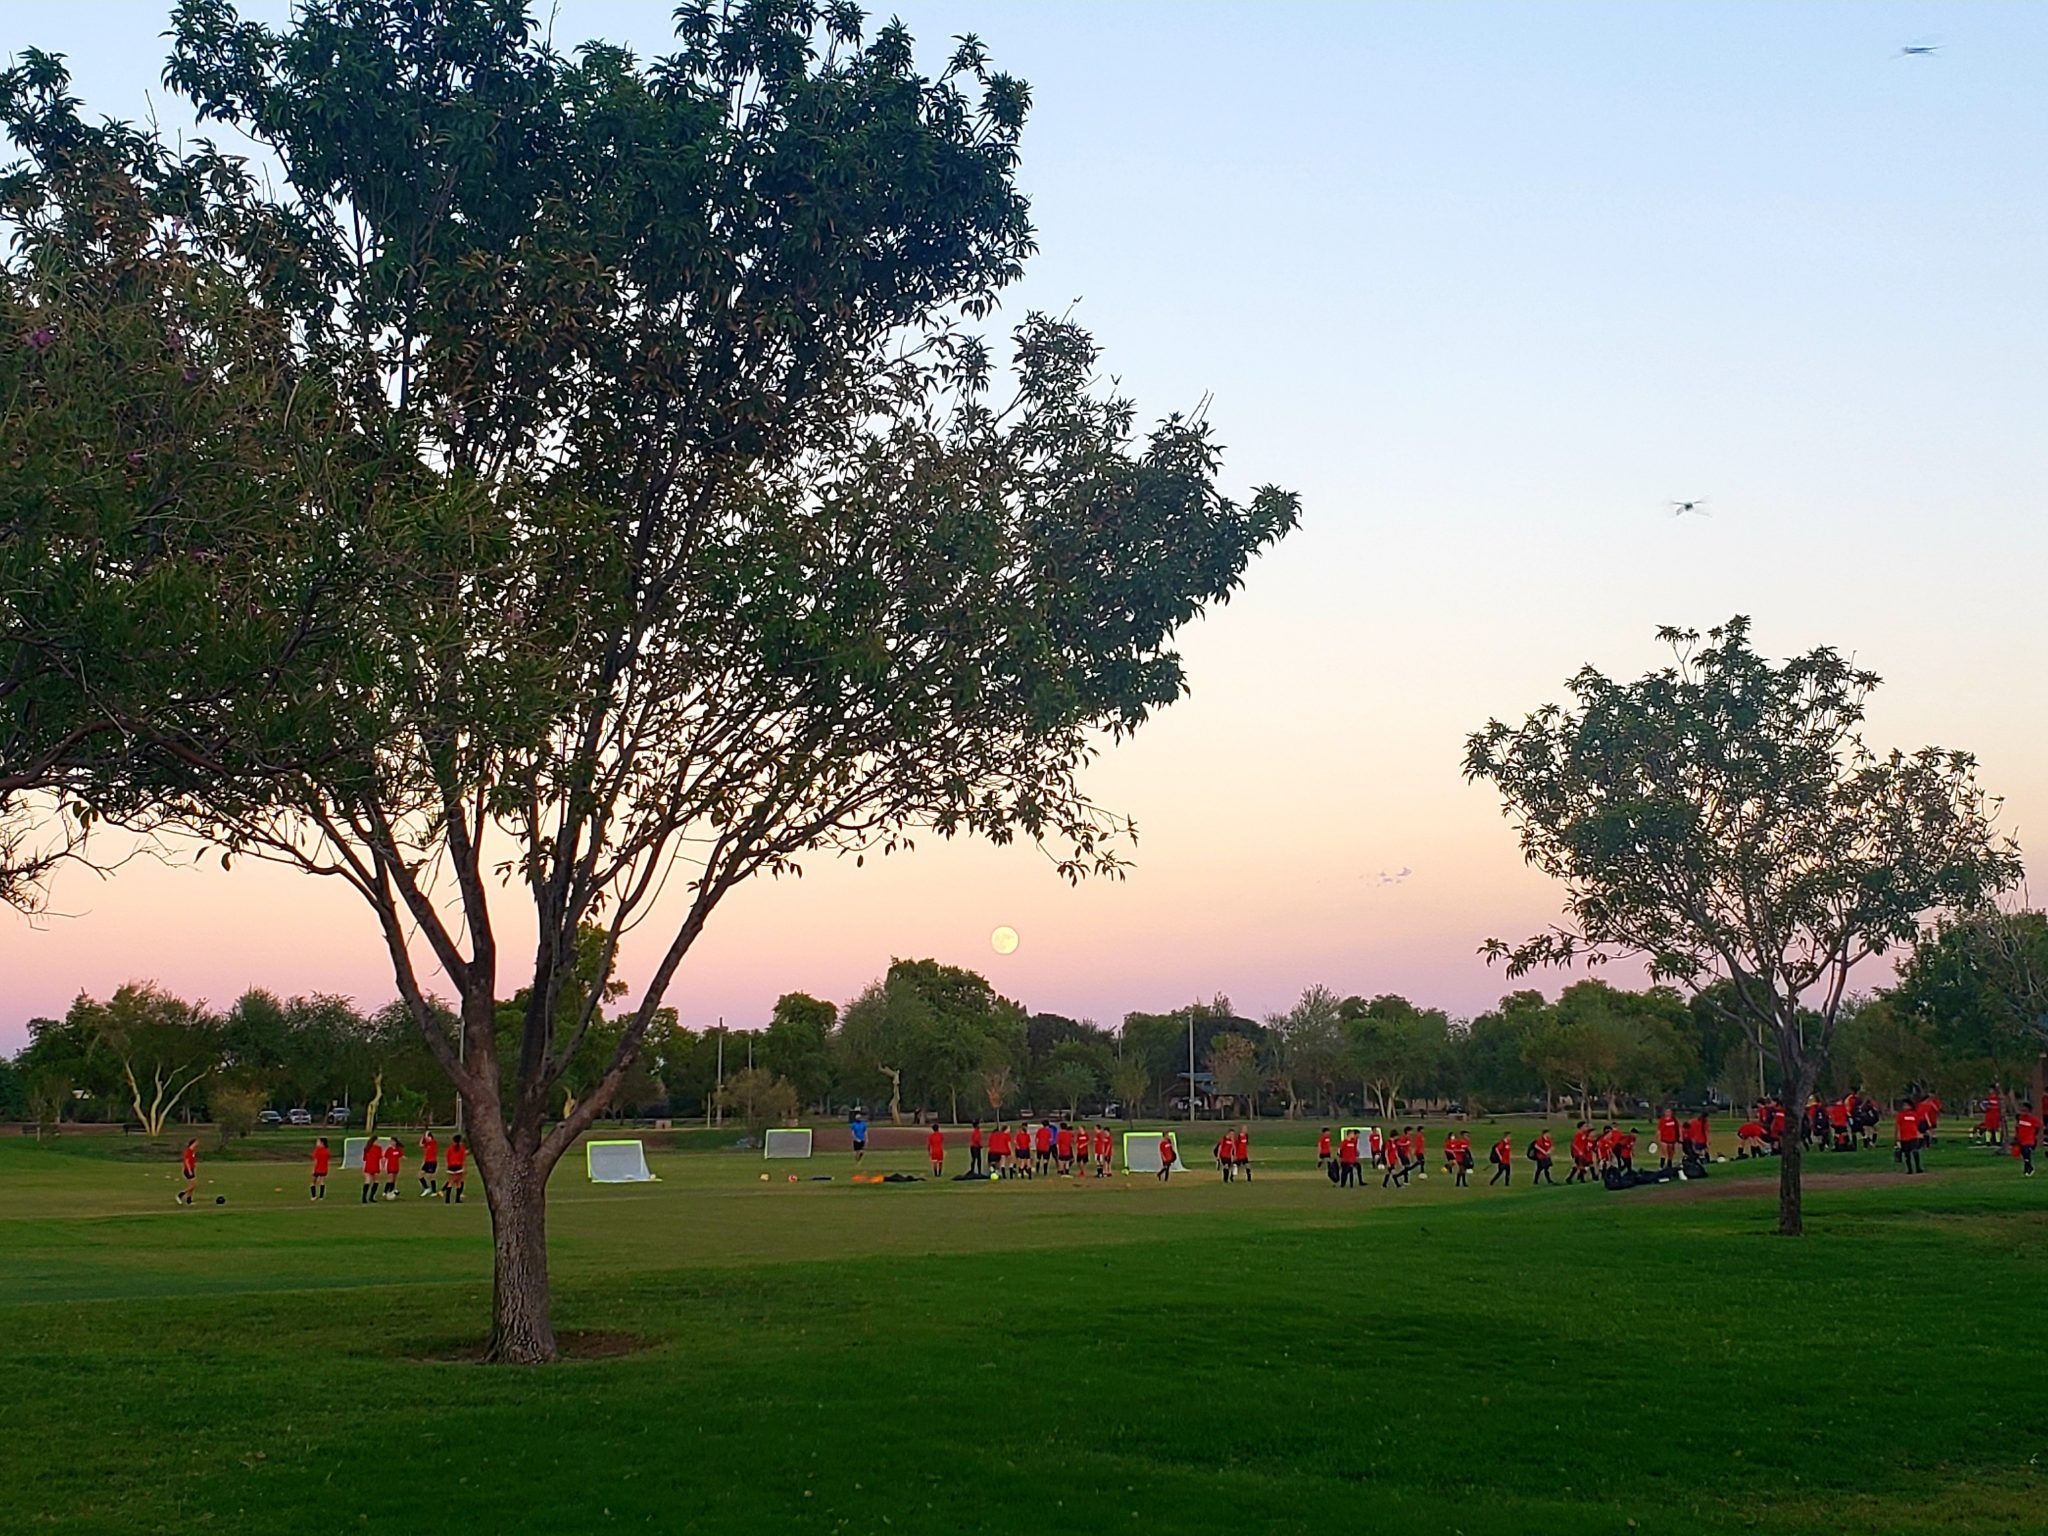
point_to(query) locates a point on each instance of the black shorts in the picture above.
(429, 1166)
(860, 1146)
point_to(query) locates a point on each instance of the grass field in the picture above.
(1024, 1358)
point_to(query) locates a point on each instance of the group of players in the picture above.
(1046, 1150)
(383, 1161)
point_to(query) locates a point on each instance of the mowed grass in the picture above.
(1114, 1356)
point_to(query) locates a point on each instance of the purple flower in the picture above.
(135, 456)
(42, 338)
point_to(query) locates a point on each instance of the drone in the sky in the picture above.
(1696, 507)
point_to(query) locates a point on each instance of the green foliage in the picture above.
(234, 1108)
(935, 1025)
(163, 1046)
(797, 1044)
(1392, 1045)
(759, 1098)
(1978, 985)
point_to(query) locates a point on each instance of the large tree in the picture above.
(1979, 983)
(709, 536)
(1722, 819)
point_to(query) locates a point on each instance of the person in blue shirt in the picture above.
(860, 1136)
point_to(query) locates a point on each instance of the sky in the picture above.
(1489, 286)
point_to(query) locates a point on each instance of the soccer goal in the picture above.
(786, 1143)
(616, 1162)
(352, 1151)
(1141, 1151)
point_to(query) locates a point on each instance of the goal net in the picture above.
(616, 1162)
(1141, 1151)
(352, 1151)
(786, 1143)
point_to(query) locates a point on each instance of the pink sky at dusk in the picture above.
(1533, 273)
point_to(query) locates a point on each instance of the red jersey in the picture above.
(1928, 1111)
(1749, 1130)
(1838, 1115)
(1348, 1153)
(320, 1156)
(1045, 1138)
(1582, 1147)
(1544, 1145)
(1166, 1152)
(2026, 1131)
(1667, 1130)
(999, 1144)
(1323, 1145)
(935, 1144)
(1419, 1143)
(458, 1154)
(1241, 1147)
(373, 1159)
(1605, 1145)
(190, 1160)
(428, 1148)
(393, 1156)
(1065, 1142)
(1994, 1113)
(1504, 1150)
(1103, 1146)
(1908, 1125)
(1625, 1144)
(974, 1137)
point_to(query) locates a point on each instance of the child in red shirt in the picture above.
(2026, 1135)
(429, 1148)
(373, 1168)
(1347, 1160)
(1241, 1153)
(188, 1168)
(393, 1156)
(458, 1171)
(1323, 1147)
(974, 1148)
(998, 1150)
(1167, 1154)
(935, 1149)
(1104, 1151)
(318, 1189)
(1503, 1159)
(1542, 1147)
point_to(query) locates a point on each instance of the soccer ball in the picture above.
(764, 1178)
(792, 1178)
(220, 1199)
(1722, 1158)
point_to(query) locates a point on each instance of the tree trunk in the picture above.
(1791, 1213)
(522, 1324)
(1795, 1071)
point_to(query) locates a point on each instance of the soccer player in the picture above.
(1503, 1159)
(998, 1150)
(1540, 1151)
(1042, 1145)
(1750, 1140)
(1105, 1150)
(1323, 1147)
(1838, 1125)
(1063, 1148)
(373, 1169)
(1395, 1148)
(1625, 1150)
(318, 1189)
(1992, 1126)
(2026, 1135)
(1458, 1148)
(1667, 1138)
(188, 1166)
(974, 1148)
(1226, 1145)
(458, 1171)
(1241, 1152)
(935, 1149)
(1418, 1151)
(1166, 1156)
(1347, 1159)
(393, 1156)
(1907, 1124)
(429, 1151)
(1582, 1156)
(859, 1127)
(1928, 1113)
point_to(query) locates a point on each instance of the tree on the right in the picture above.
(1722, 819)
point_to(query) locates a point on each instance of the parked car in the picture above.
(299, 1116)
(338, 1115)
(269, 1117)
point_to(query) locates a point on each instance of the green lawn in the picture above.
(1024, 1358)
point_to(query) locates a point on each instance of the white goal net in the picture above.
(352, 1151)
(783, 1142)
(1141, 1151)
(616, 1162)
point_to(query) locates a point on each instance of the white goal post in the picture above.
(1141, 1151)
(782, 1141)
(616, 1162)
(352, 1151)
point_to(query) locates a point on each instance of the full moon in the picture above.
(1003, 941)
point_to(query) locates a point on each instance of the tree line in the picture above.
(928, 1041)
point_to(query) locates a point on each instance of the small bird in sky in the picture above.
(1697, 507)
(1918, 51)
(1396, 877)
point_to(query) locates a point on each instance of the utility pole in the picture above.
(716, 1093)
(1191, 1069)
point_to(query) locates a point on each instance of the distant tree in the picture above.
(49, 1094)
(234, 1108)
(1306, 1046)
(165, 1047)
(1722, 819)
(1883, 1048)
(1234, 1064)
(1071, 1081)
(1131, 1085)
(1493, 1052)
(13, 1092)
(797, 1044)
(1977, 985)
(1392, 1045)
(760, 1099)
(998, 1083)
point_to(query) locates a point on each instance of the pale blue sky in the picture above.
(1488, 285)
